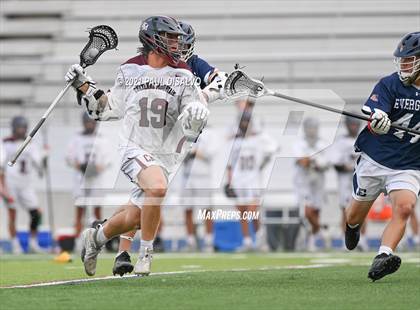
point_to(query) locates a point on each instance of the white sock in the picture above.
(208, 239)
(352, 226)
(101, 239)
(385, 249)
(247, 241)
(191, 240)
(145, 244)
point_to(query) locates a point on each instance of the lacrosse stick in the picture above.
(101, 38)
(240, 84)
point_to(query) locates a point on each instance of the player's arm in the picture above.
(100, 106)
(211, 77)
(378, 106)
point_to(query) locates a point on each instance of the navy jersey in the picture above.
(396, 149)
(201, 69)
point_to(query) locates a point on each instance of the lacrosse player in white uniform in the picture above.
(163, 111)
(212, 81)
(196, 182)
(19, 183)
(344, 159)
(310, 177)
(86, 154)
(251, 152)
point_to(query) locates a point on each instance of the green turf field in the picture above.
(229, 281)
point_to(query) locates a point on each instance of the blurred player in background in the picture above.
(211, 82)
(87, 156)
(251, 152)
(196, 182)
(310, 177)
(344, 160)
(389, 160)
(18, 181)
(157, 132)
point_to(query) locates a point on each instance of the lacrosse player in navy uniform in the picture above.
(344, 159)
(389, 158)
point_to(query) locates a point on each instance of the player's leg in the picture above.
(189, 225)
(122, 262)
(312, 215)
(16, 248)
(414, 224)
(368, 183)
(95, 238)
(97, 212)
(246, 241)
(29, 201)
(208, 235)
(34, 222)
(403, 202)
(153, 182)
(403, 188)
(355, 217)
(78, 226)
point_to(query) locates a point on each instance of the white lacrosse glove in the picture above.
(77, 76)
(215, 90)
(379, 122)
(194, 119)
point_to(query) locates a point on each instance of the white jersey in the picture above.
(319, 161)
(27, 165)
(343, 154)
(150, 101)
(3, 161)
(248, 155)
(89, 150)
(197, 168)
(310, 181)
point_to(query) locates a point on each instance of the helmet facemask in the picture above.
(170, 45)
(408, 69)
(187, 51)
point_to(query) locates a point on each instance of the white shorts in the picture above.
(311, 195)
(370, 179)
(247, 196)
(135, 160)
(24, 197)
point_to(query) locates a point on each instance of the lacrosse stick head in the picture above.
(101, 38)
(239, 84)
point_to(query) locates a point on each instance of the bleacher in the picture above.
(340, 45)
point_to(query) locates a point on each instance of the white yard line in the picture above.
(78, 281)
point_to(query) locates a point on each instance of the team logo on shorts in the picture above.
(374, 97)
(361, 192)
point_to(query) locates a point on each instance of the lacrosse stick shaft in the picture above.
(40, 123)
(323, 107)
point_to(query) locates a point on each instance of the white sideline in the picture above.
(77, 281)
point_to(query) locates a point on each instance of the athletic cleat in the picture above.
(122, 264)
(91, 250)
(382, 265)
(352, 237)
(144, 263)
(96, 223)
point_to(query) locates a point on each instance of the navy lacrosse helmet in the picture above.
(407, 58)
(189, 40)
(163, 35)
(19, 125)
